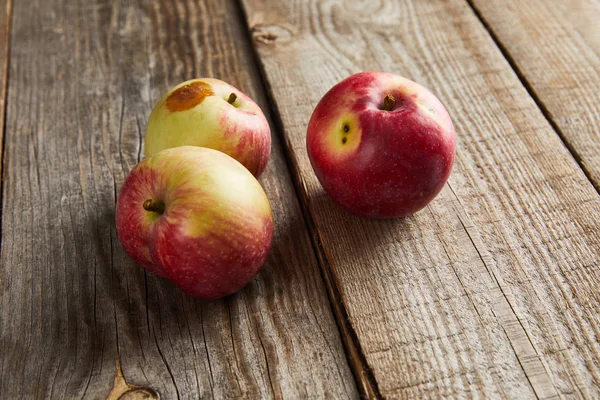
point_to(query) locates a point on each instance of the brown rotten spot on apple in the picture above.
(188, 96)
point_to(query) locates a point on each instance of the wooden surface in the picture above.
(5, 13)
(492, 290)
(84, 76)
(555, 45)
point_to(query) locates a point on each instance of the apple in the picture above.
(210, 113)
(198, 217)
(381, 145)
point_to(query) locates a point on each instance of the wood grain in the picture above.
(555, 45)
(492, 289)
(5, 13)
(84, 76)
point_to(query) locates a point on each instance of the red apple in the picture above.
(211, 113)
(198, 217)
(381, 145)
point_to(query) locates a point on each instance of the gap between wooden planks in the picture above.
(84, 76)
(491, 289)
(555, 47)
(5, 13)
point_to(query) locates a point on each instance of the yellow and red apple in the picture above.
(381, 145)
(198, 217)
(211, 113)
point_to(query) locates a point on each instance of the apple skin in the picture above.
(377, 163)
(217, 226)
(197, 113)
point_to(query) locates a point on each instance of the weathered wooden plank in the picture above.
(555, 45)
(491, 290)
(5, 12)
(84, 76)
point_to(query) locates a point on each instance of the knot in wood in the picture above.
(270, 34)
(140, 393)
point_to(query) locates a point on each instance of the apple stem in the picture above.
(154, 206)
(232, 98)
(388, 102)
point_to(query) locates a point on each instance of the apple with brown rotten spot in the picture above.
(211, 113)
(381, 145)
(198, 217)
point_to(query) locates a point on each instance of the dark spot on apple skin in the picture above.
(344, 140)
(346, 128)
(188, 96)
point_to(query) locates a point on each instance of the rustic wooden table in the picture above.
(491, 291)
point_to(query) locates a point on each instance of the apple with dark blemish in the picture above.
(211, 113)
(382, 146)
(198, 217)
